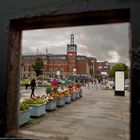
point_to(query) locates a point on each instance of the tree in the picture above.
(119, 66)
(38, 66)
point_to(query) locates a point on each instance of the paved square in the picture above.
(98, 115)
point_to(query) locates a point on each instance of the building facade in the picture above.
(60, 64)
(103, 68)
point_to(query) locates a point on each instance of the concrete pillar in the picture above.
(135, 73)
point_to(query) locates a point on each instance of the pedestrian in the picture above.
(88, 83)
(82, 82)
(26, 82)
(33, 85)
(92, 81)
(104, 83)
(101, 84)
(96, 83)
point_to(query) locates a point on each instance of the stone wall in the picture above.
(16, 16)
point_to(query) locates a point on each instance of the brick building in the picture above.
(93, 62)
(61, 64)
(103, 67)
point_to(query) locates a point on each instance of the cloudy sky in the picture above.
(105, 42)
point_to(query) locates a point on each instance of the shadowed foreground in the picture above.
(98, 115)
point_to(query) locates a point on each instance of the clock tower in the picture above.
(71, 55)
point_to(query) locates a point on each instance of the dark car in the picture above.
(72, 78)
(78, 78)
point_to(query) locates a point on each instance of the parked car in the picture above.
(78, 78)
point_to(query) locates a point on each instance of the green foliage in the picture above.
(57, 96)
(55, 88)
(38, 67)
(116, 67)
(34, 101)
(23, 106)
(61, 86)
(48, 89)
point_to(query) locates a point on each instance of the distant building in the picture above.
(103, 68)
(94, 70)
(66, 64)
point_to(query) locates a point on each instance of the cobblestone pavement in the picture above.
(98, 115)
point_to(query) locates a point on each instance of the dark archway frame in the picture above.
(39, 22)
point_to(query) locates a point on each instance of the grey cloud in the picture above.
(96, 41)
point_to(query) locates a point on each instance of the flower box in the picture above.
(37, 109)
(67, 99)
(80, 93)
(73, 96)
(51, 105)
(60, 102)
(24, 116)
(38, 106)
(77, 95)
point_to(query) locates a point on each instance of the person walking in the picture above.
(33, 85)
(103, 83)
(88, 83)
(96, 83)
(26, 82)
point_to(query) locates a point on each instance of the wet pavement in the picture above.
(98, 115)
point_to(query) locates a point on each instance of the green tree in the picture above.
(119, 66)
(38, 66)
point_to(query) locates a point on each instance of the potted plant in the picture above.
(73, 93)
(24, 113)
(67, 96)
(51, 103)
(80, 92)
(77, 95)
(38, 106)
(59, 97)
(77, 92)
(65, 92)
(48, 89)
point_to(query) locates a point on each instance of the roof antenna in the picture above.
(72, 38)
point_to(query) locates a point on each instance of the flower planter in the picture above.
(24, 116)
(80, 93)
(51, 105)
(67, 99)
(60, 102)
(77, 95)
(73, 96)
(37, 109)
